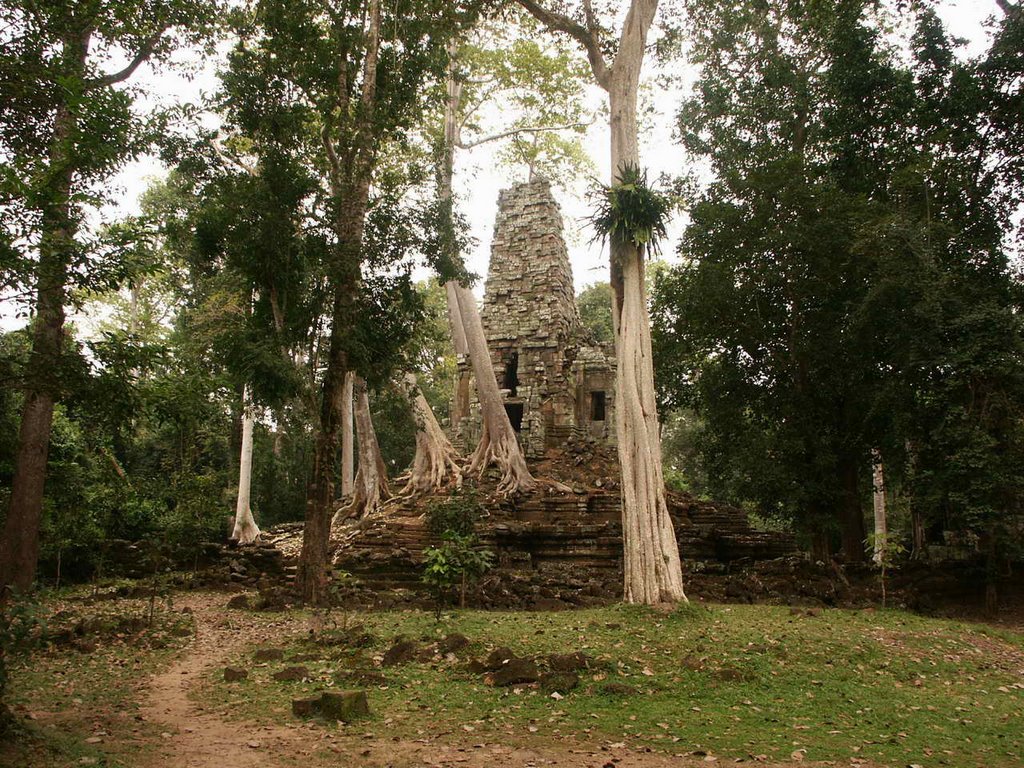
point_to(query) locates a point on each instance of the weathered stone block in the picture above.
(344, 705)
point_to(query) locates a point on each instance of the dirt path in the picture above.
(194, 737)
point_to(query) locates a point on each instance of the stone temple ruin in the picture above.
(553, 548)
(556, 381)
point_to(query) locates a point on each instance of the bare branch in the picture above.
(332, 157)
(227, 159)
(517, 131)
(372, 52)
(143, 54)
(634, 34)
(588, 38)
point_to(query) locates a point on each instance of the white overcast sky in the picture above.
(479, 176)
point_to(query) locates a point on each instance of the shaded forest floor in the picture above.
(616, 687)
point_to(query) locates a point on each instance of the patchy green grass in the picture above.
(732, 681)
(74, 695)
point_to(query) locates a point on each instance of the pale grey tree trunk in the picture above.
(878, 503)
(370, 486)
(498, 444)
(436, 459)
(245, 530)
(348, 458)
(652, 570)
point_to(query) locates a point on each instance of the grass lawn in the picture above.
(769, 683)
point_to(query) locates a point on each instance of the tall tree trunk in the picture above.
(435, 458)
(498, 444)
(313, 574)
(851, 515)
(19, 547)
(878, 506)
(652, 570)
(245, 529)
(349, 175)
(371, 480)
(348, 458)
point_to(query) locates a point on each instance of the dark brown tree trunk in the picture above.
(313, 575)
(19, 547)
(314, 561)
(917, 533)
(821, 543)
(851, 515)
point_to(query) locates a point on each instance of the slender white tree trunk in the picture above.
(371, 488)
(878, 502)
(245, 530)
(347, 446)
(436, 460)
(498, 443)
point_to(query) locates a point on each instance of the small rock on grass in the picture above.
(515, 671)
(401, 652)
(269, 654)
(453, 643)
(569, 662)
(234, 674)
(334, 705)
(291, 674)
(239, 602)
(344, 705)
(560, 682)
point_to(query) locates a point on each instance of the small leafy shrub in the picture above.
(460, 560)
(886, 550)
(21, 628)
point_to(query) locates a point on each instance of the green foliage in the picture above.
(459, 560)
(458, 514)
(538, 82)
(630, 211)
(844, 283)
(595, 306)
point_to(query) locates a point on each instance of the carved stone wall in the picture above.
(553, 378)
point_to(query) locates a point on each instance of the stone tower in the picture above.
(553, 378)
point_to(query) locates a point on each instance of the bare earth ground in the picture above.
(192, 736)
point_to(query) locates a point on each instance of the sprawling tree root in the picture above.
(436, 461)
(505, 453)
(498, 444)
(371, 482)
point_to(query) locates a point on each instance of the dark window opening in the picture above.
(597, 405)
(515, 415)
(511, 379)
